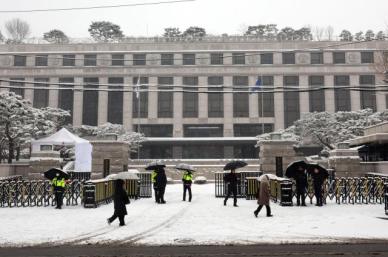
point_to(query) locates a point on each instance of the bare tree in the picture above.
(17, 30)
(318, 33)
(329, 32)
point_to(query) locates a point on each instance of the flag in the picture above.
(257, 85)
(137, 89)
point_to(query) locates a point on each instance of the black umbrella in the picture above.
(55, 172)
(235, 165)
(293, 168)
(317, 171)
(155, 165)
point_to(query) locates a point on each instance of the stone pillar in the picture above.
(127, 104)
(102, 101)
(153, 99)
(228, 107)
(78, 102)
(380, 96)
(177, 152)
(79, 60)
(228, 59)
(202, 98)
(28, 92)
(329, 94)
(345, 162)
(355, 99)
(253, 98)
(178, 109)
(228, 152)
(277, 58)
(178, 59)
(53, 93)
(328, 57)
(304, 100)
(279, 103)
(30, 61)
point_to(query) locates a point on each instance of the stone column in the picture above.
(127, 104)
(277, 58)
(228, 107)
(279, 103)
(153, 99)
(79, 60)
(327, 57)
(253, 98)
(304, 97)
(102, 101)
(228, 60)
(202, 98)
(355, 96)
(78, 102)
(29, 93)
(178, 109)
(329, 94)
(53, 93)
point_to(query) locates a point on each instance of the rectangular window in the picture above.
(66, 97)
(368, 96)
(68, 60)
(205, 130)
(16, 86)
(165, 99)
(115, 100)
(215, 100)
(266, 58)
(367, 57)
(19, 60)
(90, 102)
(41, 96)
(245, 151)
(216, 58)
(41, 60)
(288, 58)
(316, 58)
(117, 60)
(339, 57)
(266, 99)
(203, 151)
(167, 59)
(90, 60)
(188, 59)
(142, 100)
(154, 130)
(342, 96)
(240, 100)
(317, 95)
(251, 130)
(291, 101)
(238, 58)
(139, 59)
(190, 100)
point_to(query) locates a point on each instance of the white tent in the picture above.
(83, 149)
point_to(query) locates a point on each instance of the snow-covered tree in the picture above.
(105, 31)
(369, 35)
(329, 129)
(359, 36)
(287, 33)
(303, 34)
(194, 32)
(56, 36)
(380, 35)
(172, 33)
(346, 35)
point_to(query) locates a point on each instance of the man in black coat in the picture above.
(301, 184)
(318, 179)
(120, 199)
(161, 182)
(231, 182)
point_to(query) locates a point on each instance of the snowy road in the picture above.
(204, 221)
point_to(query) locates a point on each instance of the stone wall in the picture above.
(346, 163)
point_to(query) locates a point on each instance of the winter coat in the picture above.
(120, 199)
(264, 193)
(161, 178)
(301, 181)
(231, 178)
(317, 179)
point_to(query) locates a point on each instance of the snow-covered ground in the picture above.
(203, 221)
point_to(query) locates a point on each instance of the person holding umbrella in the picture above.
(58, 181)
(158, 179)
(297, 171)
(319, 174)
(263, 195)
(231, 180)
(187, 179)
(120, 199)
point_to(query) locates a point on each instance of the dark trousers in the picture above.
(121, 219)
(156, 192)
(318, 194)
(58, 198)
(231, 190)
(187, 187)
(300, 195)
(162, 190)
(267, 207)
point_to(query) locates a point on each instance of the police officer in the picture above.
(59, 188)
(155, 186)
(161, 182)
(231, 182)
(187, 181)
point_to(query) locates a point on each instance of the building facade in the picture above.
(200, 93)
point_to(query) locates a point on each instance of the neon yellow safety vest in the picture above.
(187, 176)
(58, 182)
(153, 176)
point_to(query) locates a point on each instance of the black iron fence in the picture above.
(386, 198)
(145, 184)
(220, 185)
(79, 175)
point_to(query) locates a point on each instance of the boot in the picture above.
(256, 213)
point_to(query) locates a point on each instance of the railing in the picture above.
(79, 175)
(145, 184)
(386, 198)
(221, 189)
(11, 178)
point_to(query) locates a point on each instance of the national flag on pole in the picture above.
(257, 85)
(137, 89)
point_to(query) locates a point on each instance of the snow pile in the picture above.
(203, 221)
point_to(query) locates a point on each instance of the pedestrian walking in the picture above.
(231, 184)
(120, 199)
(161, 182)
(187, 181)
(58, 184)
(301, 184)
(318, 182)
(263, 196)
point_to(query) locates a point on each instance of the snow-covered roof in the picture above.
(61, 137)
(377, 138)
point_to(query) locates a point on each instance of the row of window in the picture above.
(190, 59)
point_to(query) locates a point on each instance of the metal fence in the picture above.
(11, 178)
(220, 187)
(79, 175)
(145, 184)
(386, 198)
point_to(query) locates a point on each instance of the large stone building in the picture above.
(210, 113)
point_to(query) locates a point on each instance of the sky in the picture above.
(216, 16)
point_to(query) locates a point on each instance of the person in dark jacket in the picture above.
(59, 185)
(318, 182)
(187, 181)
(231, 183)
(120, 199)
(301, 184)
(161, 182)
